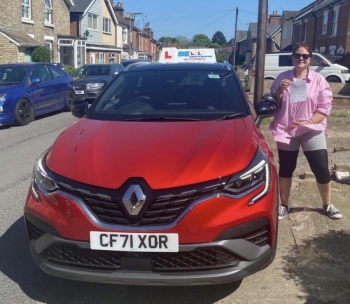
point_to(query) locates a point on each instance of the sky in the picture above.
(190, 17)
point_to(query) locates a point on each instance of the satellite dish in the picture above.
(87, 33)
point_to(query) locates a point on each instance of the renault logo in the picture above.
(134, 199)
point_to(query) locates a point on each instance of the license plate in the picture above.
(79, 92)
(137, 242)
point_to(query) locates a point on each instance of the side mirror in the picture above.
(265, 108)
(36, 80)
(80, 109)
(269, 98)
(325, 63)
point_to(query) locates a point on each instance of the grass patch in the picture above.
(266, 121)
(341, 113)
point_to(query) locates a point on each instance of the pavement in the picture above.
(314, 250)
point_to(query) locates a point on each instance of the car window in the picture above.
(316, 60)
(56, 72)
(94, 70)
(12, 74)
(197, 94)
(285, 60)
(40, 72)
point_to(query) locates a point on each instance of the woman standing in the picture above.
(304, 100)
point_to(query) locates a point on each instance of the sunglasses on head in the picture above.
(298, 56)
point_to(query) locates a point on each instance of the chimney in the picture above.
(274, 18)
(118, 9)
(132, 17)
(147, 30)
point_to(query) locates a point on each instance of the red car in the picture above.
(165, 179)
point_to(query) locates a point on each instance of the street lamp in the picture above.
(130, 32)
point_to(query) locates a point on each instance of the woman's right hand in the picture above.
(284, 84)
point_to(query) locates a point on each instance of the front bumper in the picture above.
(225, 259)
(89, 95)
(136, 270)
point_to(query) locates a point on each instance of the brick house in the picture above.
(143, 45)
(325, 26)
(273, 36)
(26, 24)
(287, 29)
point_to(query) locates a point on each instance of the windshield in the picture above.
(170, 95)
(12, 74)
(93, 70)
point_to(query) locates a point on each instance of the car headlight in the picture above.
(2, 97)
(41, 177)
(256, 175)
(95, 85)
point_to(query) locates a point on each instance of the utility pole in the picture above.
(235, 44)
(260, 52)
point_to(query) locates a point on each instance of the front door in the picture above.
(92, 57)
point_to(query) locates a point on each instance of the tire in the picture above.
(333, 79)
(24, 113)
(69, 100)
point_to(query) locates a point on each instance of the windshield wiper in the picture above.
(227, 117)
(161, 118)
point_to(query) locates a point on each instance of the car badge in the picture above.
(134, 199)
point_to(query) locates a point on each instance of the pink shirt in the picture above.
(319, 99)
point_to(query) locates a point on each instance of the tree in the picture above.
(219, 38)
(168, 40)
(41, 54)
(183, 42)
(215, 46)
(201, 40)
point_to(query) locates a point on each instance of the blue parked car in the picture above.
(31, 89)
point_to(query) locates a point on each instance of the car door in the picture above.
(61, 81)
(43, 92)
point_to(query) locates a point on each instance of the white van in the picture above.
(276, 63)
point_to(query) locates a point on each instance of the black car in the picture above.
(90, 79)
(125, 63)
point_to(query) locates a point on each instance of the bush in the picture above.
(41, 54)
(69, 69)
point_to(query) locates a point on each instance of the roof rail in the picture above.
(228, 65)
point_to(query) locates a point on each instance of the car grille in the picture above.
(198, 259)
(33, 231)
(79, 87)
(161, 210)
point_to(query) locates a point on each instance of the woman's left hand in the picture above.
(297, 124)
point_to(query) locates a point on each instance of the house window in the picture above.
(335, 21)
(26, 9)
(48, 11)
(48, 45)
(124, 34)
(291, 31)
(107, 25)
(92, 21)
(141, 43)
(112, 58)
(325, 21)
(101, 57)
(284, 32)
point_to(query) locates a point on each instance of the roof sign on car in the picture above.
(174, 55)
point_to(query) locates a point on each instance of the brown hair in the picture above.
(302, 45)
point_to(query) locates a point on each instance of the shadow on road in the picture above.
(17, 264)
(321, 267)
